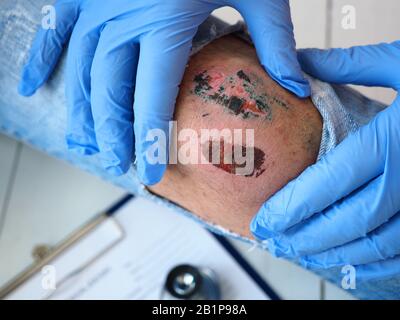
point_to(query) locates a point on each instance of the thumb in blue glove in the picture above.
(345, 208)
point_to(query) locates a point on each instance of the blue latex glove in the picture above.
(345, 208)
(124, 53)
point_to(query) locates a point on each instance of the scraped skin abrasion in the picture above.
(239, 93)
(225, 87)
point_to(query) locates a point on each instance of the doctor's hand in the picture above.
(344, 210)
(126, 60)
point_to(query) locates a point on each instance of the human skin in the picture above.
(225, 86)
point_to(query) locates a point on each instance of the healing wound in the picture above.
(234, 158)
(237, 93)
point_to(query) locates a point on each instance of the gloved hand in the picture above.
(345, 208)
(125, 53)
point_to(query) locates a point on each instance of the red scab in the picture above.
(226, 159)
(251, 106)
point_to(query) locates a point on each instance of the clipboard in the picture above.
(112, 224)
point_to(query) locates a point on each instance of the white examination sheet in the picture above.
(129, 255)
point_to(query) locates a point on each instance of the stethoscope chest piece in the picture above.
(191, 283)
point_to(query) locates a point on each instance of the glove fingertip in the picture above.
(259, 230)
(294, 82)
(26, 86)
(273, 218)
(82, 150)
(276, 250)
(301, 89)
(25, 89)
(80, 145)
(151, 148)
(151, 174)
(116, 158)
(115, 170)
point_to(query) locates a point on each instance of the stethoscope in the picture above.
(188, 282)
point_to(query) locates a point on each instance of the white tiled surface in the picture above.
(35, 188)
